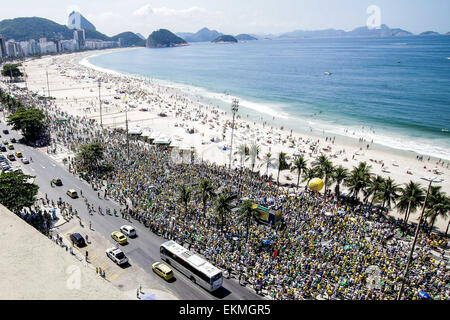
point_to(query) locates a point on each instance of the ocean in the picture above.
(394, 91)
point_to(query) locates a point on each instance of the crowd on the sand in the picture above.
(326, 247)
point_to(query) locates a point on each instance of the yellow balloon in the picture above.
(316, 184)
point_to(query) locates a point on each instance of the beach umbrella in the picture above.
(424, 295)
(316, 184)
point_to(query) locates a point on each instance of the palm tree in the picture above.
(358, 179)
(411, 198)
(247, 213)
(389, 192)
(206, 190)
(184, 196)
(223, 207)
(299, 165)
(267, 161)
(243, 152)
(373, 188)
(309, 174)
(339, 175)
(438, 204)
(325, 167)
(254, 154)
(281, 163)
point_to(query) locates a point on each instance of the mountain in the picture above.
(225, 39)
(245, 37)
(164, 38)
(77, 21)
(200, 36)
(140, 36)
(429, 33)
(383, 31)
(129, 39)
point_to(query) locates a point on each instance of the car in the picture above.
(162, 270)
(119, 237)
(72, 193)
(10, 147)
(78, 240)
(57, 182)
(25, 160)
(116, 255)
(19, 154)
(5, 142)
(11, 157)
(5, 131)
(13, 140)
(128, 230)
(3, 148)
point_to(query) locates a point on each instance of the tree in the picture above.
(309, 174)
(90, 156)
(16, 192)
(373, 188)
(438, 205)
(243, 152)
(389, 192)
(339, 175)
(223, 207)
(29, 121)
(325, 167)
(281, 163)
(267, 161)
(254, 154)
(247, 213)
(411, 198)
(358, 179)
(184, 196)
(11, 70)
(206, 192)
(299, 165)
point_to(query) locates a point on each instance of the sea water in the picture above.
(394, 91)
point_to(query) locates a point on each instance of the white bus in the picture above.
(192, 265)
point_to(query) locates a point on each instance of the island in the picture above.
(225, 39)
(245, 37)
(163, 38)
(429, 33)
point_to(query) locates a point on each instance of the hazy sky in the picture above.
(236, 16)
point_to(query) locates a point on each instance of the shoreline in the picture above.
(184, 111)
(262, 112)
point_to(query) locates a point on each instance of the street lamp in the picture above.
(430, 181)
(100, 101)
(234, 108)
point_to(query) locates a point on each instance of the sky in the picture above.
(238, 16)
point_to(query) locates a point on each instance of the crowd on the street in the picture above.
(325, 247)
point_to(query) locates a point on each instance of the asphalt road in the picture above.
(143, 250)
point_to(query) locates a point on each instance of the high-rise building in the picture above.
(79, 36)
(77, 21)
(3, 52)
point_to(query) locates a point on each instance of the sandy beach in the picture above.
(191, 123)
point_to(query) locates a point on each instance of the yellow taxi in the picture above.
(19, 154)
(162, 270)
(119, 237)
(72, 193)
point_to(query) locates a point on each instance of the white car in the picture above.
(128, 230)
(25, 160)
(116, 255)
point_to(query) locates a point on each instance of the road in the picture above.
(143, 250)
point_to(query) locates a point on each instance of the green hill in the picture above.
(23, 29)
(245, 37)
(225, 38)
(129, 39)
(164, 38)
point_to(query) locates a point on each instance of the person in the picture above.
(87, 240)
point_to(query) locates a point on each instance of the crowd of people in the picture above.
(325, 247)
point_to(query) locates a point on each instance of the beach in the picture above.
(191, 123)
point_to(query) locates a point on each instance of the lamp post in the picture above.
(430, 180)
(234, 108)
(100, 101)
